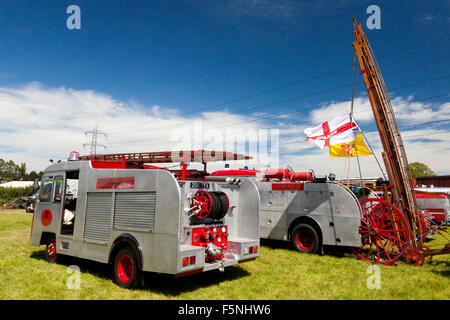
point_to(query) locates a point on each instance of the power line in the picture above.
(395, 105)
(419, 66)
(303, 109)
(421, 82)
(323, 74)
(403, 127)
(426, 43)
(418, 45)
(431, 134)
(259, 107)
(308, 108)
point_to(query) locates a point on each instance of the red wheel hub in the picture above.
(304, 239)
(374, 231)
(125, 268)
(51, 250)
(385, 233)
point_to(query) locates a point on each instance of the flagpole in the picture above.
(351, 121)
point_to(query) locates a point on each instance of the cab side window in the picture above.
(58, 183)
(46, 189)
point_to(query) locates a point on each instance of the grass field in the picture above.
(279, 274)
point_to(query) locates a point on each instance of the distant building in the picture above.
(367, 182)
(17, 184)
(435, 181)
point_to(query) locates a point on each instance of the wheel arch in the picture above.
(122, 241)
(46, 236)
(307, 220)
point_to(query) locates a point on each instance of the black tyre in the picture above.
(50, 250)
(126, 270)
(304, 238)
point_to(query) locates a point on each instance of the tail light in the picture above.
(187, 261)
(250, 250)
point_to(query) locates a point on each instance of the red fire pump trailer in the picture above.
(393, 227)
(122, 210)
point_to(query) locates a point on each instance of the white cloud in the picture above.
(405, 109)
(361, 107)
(435, 153)
(39, 123)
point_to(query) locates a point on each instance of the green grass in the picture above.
(279, 274)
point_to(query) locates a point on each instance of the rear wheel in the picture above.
(304, 238)
(50, 251)
(126, 272)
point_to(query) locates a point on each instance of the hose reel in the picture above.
(209, 204)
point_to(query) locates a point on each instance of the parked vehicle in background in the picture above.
(308, 211)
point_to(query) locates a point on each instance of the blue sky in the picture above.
(185, 56)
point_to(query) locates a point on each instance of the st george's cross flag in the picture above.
(336, 131)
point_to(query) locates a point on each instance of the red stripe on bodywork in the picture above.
(287, 186)
(115, 183)
(438, 196)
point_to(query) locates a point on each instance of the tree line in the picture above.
(9, 171)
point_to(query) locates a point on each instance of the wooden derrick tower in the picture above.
(394, 156)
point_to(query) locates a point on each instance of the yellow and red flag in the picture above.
(354, 148)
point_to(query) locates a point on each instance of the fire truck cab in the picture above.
(144, 218)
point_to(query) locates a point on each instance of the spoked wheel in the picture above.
(384, 230)
(50, 251)
(304, 238)
(414, 257)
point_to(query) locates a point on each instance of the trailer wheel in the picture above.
(304, 238)
(126, 272)
(50, 250)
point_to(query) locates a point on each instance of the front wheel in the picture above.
(304, 238)
(126, 272)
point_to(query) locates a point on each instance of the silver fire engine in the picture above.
(310, 212)
(145, 219)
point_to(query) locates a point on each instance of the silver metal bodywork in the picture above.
(332, 206)
(153, 212)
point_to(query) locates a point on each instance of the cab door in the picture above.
(49, 208)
